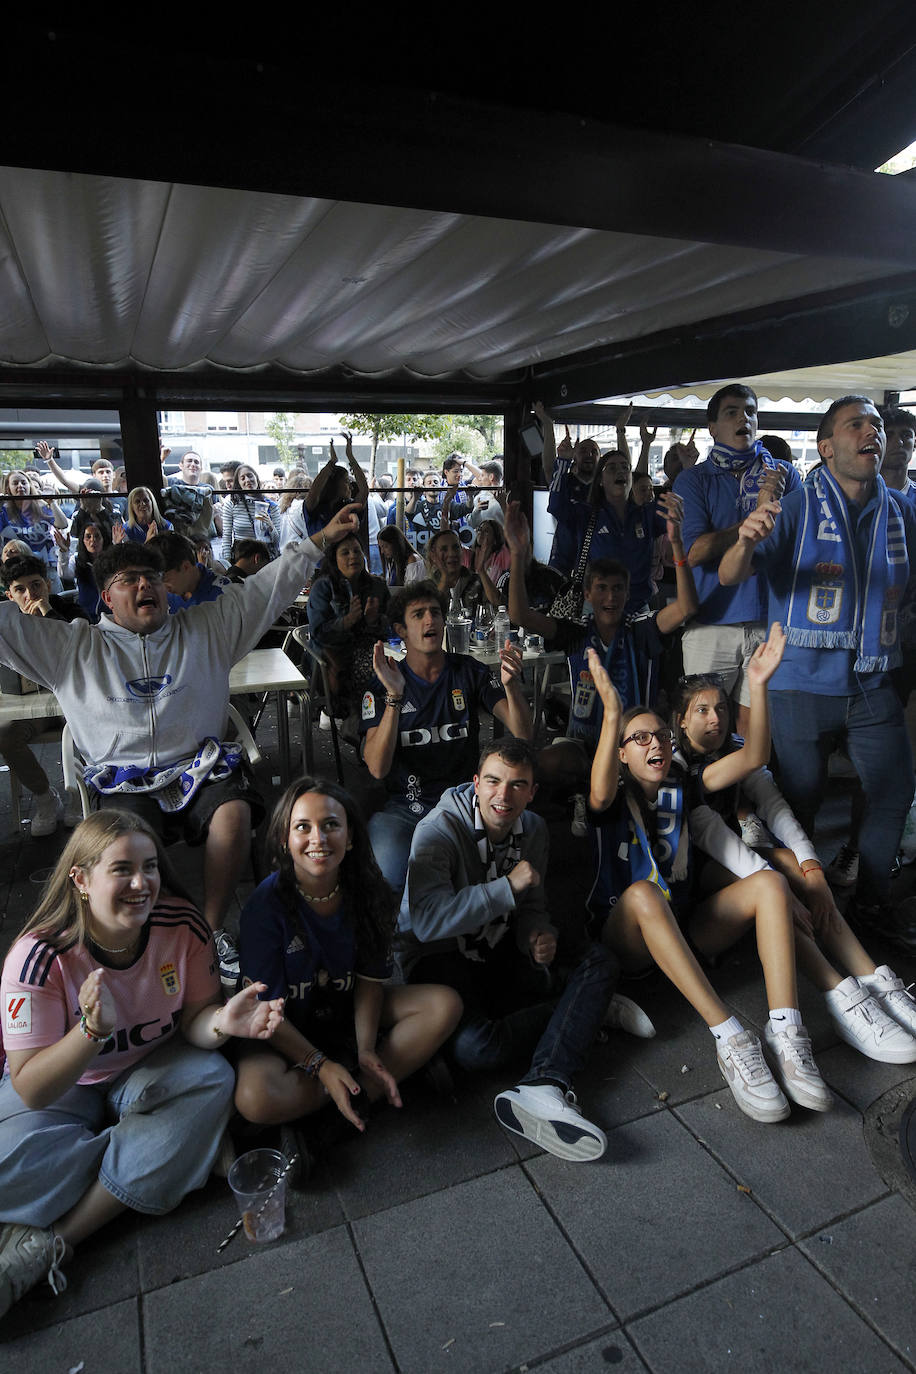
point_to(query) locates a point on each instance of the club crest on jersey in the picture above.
(148, 686)
(458, 698)
(18, 1009)
(368, 706)
(171, 983)
(824, 602)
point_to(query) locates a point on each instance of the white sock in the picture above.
(783, 1017)
(727, 1029)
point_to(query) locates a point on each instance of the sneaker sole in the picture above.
(795, 1093)
(764, 1114)
(564, 1139)
(903, 1055)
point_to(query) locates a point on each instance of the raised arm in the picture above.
(646, 438)
(45, 451)
(382, 739)
(549, 447)
(621, 427)
(755, 753)
(686, 602)
(359, 477)
(520, 612)
(606, 763)
(737, 560)
(513, 712)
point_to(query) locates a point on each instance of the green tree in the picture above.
(282, 429)
(474, 436)
(390, 428)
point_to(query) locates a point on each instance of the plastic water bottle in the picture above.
(501, 626)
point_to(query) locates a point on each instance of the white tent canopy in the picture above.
(109, 272)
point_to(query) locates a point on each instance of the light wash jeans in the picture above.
(150, 1136)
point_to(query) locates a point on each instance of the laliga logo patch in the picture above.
(18, 1013)
(368, 706)
(148, 686)
(171, 983)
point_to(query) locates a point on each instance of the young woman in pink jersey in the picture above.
(112, 1097)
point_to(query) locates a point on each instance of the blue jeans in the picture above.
(806, 726)
(149, 1136)
(512, 1005)
(390, 834)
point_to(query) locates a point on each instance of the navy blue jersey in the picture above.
(631, 661)
(309, 959)
(438, 730)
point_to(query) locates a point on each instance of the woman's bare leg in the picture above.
(643, 929)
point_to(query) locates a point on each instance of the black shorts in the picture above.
(192, 823)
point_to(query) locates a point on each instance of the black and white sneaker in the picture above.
(551, 1119)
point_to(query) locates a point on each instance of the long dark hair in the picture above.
(83, 565)
(688, 688)
(390, 537)
(342, 585)
(369, 903)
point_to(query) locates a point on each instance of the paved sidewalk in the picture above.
(702, 1241)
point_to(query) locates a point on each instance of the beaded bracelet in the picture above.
(90, 1034)
(312, 1063)
(396, 702)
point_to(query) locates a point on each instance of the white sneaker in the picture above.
(747, 1074)
(622, 1014)
(843, 868)
(796, 1070)
(324, 721)
(754, 833)
(551, 1119)
(579, 825)
(863, 1022)
(73, 808)
(47, 810)
(896, 999)
(28, 1254)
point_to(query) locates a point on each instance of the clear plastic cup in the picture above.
(459, 635)
(251, 1178)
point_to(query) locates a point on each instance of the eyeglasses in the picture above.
(644, 737)
(133, 577)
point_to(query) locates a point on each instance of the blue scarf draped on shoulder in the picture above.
(832, 602)
(749, 466)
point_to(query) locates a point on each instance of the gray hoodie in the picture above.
(149, 700)
(447, 894)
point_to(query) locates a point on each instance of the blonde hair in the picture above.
(61, 917)
(156, 515)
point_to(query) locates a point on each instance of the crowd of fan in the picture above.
(742, 611)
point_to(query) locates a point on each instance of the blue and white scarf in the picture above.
(832, 604)
(477, 944)
(671, 846)
(173, 786)
(749, 466)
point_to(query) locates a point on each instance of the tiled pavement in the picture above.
(702, 1241)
